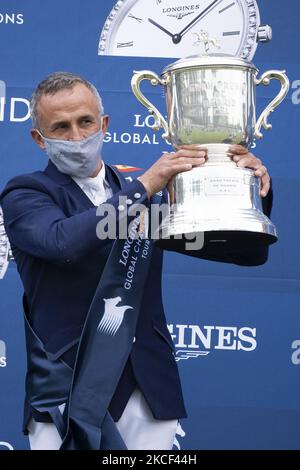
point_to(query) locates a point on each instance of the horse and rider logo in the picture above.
(203, 37)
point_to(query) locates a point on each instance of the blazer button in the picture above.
(137, 195)
(121, 208)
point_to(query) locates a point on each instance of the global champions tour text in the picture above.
(134, 248)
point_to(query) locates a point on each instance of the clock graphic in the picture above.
(181, 28)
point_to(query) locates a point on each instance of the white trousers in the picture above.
(138, 428)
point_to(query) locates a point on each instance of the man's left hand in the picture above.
(244, 159)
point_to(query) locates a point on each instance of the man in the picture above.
(51, 218)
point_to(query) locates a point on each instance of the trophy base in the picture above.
(240, 232)
(220, 241)
(242, 248)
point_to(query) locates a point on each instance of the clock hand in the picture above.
(177, 37)
(160, 27)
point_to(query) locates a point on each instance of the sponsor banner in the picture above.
(11, 18)
(240, 323)
(193, 341)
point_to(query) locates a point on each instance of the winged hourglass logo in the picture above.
(113, 316)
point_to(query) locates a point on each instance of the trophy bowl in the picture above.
(211, 103)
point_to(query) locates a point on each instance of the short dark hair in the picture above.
(52, 84)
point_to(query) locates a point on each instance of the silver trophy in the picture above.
(211, 101)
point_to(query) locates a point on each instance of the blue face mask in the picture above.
(75, 157)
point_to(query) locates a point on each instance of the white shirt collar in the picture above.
(96, 189)
(93, 183)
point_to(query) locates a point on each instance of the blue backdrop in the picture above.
(236, 329)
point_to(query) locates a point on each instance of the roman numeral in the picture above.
(125, 44)
(135, 18)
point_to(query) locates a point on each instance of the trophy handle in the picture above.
(155, 80)
(265, 80)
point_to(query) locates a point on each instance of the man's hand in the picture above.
(169, 165)
(244, 159)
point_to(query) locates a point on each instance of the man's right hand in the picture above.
(169, 165)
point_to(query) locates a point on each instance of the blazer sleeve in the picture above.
(35, 224)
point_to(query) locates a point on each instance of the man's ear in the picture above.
(105, 121)
(38, 138)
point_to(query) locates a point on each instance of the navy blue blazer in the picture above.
(51, 225)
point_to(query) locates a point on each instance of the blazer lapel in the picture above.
(115, 181)
(69, 185)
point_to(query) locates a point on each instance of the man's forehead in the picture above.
(77, 96)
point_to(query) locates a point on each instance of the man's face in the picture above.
(70, 114)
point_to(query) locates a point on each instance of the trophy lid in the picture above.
(209, 61)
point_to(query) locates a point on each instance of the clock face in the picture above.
(180, 28)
